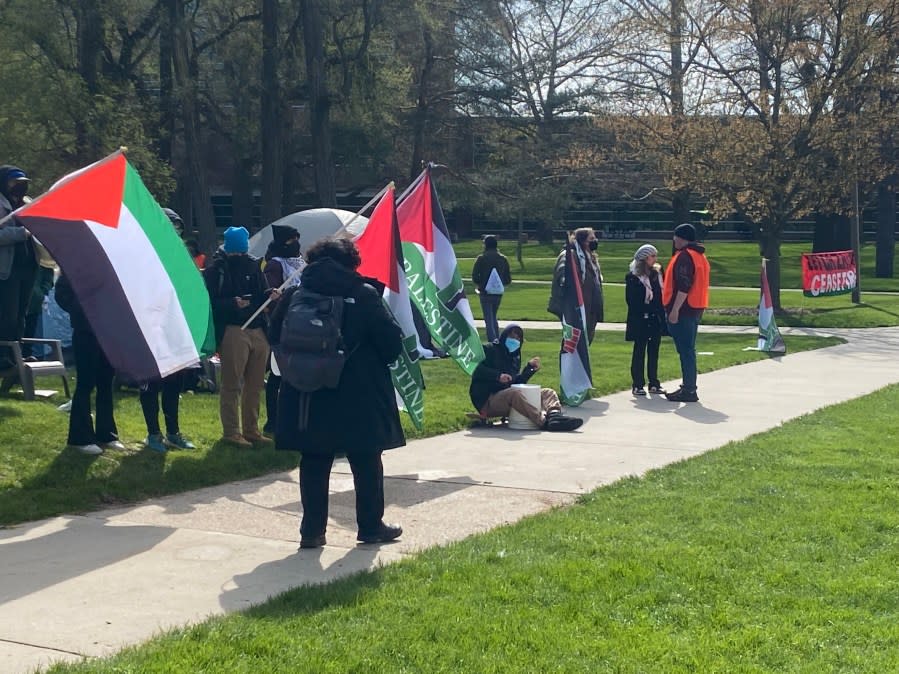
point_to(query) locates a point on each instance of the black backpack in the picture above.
(311, 353)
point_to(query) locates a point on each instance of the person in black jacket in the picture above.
(645, 319)
(489, 292)
(92, 371)
(237, 289)
(491, 390)
(359, 418)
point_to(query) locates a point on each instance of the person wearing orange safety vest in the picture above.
(685, 296)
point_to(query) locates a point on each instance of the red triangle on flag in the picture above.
(93, 194)
(378, 244)
(415, 215)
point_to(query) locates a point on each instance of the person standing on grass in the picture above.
(645, 319)
(491, 275)
(92, 371)
(585, 245)
(359, 418)
(686, 296)
(283, 261)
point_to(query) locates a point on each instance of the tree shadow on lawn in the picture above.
(8, 412)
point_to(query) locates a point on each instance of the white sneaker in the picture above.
(114, 444)
(93, 450)
(65, 407)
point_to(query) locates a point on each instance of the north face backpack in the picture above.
(311, 353)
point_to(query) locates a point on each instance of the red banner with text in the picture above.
(828, 273)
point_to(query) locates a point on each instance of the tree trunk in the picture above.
(680, 204)
(886, 227)
(769, 246)
(319, 103)
(89, 33)
(831, 233)
(242, 193)
(422, 108)
(166, 84)
(203, 217)
(272, 137)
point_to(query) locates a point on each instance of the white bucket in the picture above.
(517, 420)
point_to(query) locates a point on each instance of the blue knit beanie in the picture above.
(237, 240)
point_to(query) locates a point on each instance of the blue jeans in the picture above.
(684, 335)
(490, 306)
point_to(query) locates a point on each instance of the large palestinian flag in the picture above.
(574, 358)
(142, 294)
(382, 259)
(433, 274)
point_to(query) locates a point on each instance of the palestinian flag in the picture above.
(433, 274)
(382, 259)
(139, 288)
(574, 358)
(770, 339)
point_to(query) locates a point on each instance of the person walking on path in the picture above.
(585, 245)
(491, 275)
(237, 289)
(283, 261)
(686, 296)
(492, 393)
(92, 371)
(645, 319)
(359, 418)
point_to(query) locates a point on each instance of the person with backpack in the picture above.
(490, 276)
(237, 289)
(334, 341)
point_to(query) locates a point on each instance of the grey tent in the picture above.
(314, 224)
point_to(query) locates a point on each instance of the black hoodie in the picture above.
(498, 360)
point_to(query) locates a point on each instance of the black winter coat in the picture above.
(497, 360)
(360, 415)
(643, 320)
(231, 276)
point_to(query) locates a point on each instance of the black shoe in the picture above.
(638, 391)
(313, 541)
(559, 423)
(656, 389)
(682, 395)
(385, 534)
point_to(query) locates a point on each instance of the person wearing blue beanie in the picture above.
(237, 240)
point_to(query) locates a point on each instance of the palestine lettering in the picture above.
(832, 283)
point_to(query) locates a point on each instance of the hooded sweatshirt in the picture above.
(498, 360)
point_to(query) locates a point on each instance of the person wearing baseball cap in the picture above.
(685, 296)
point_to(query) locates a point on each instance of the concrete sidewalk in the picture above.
(83, 586)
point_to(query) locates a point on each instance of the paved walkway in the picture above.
(82, 586)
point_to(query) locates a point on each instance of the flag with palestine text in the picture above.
(138, 286)
(433, 275)
(574, 358)
(382, 259)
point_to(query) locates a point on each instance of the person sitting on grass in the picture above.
(493, 395)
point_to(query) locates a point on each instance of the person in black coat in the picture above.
(359, 418)
(645, 319)
(492, 393)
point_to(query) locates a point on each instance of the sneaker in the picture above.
(179, 441)
(65, 407)
(385, 534)
(656, 389)
(638, 391)
(155, 442)
(112, 444)
(559, 423)
(237, 439)
(683, 396)
(91, 449)
(313, 541)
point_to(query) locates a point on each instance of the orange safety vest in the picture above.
(698, 297)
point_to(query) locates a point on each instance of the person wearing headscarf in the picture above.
(18, 261)
(645, 319)
(492, 392)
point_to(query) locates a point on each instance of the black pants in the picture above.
(368, 478)
(92, 371)
(272, 386)
(647, 348)
(15, 293)
(170, 387)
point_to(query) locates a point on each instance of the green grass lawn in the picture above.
(774, 554)
(38, 478)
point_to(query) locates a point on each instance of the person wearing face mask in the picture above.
(491, 390)
(585, 245)
(283, 261)
(18, 261)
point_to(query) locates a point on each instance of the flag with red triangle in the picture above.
(770, 339)
(382, 259)
(574, 357)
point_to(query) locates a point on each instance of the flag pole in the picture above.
(295, 273)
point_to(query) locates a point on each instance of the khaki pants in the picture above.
(244, 355)
(502, 402)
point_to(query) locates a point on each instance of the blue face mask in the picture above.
(512, 344)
